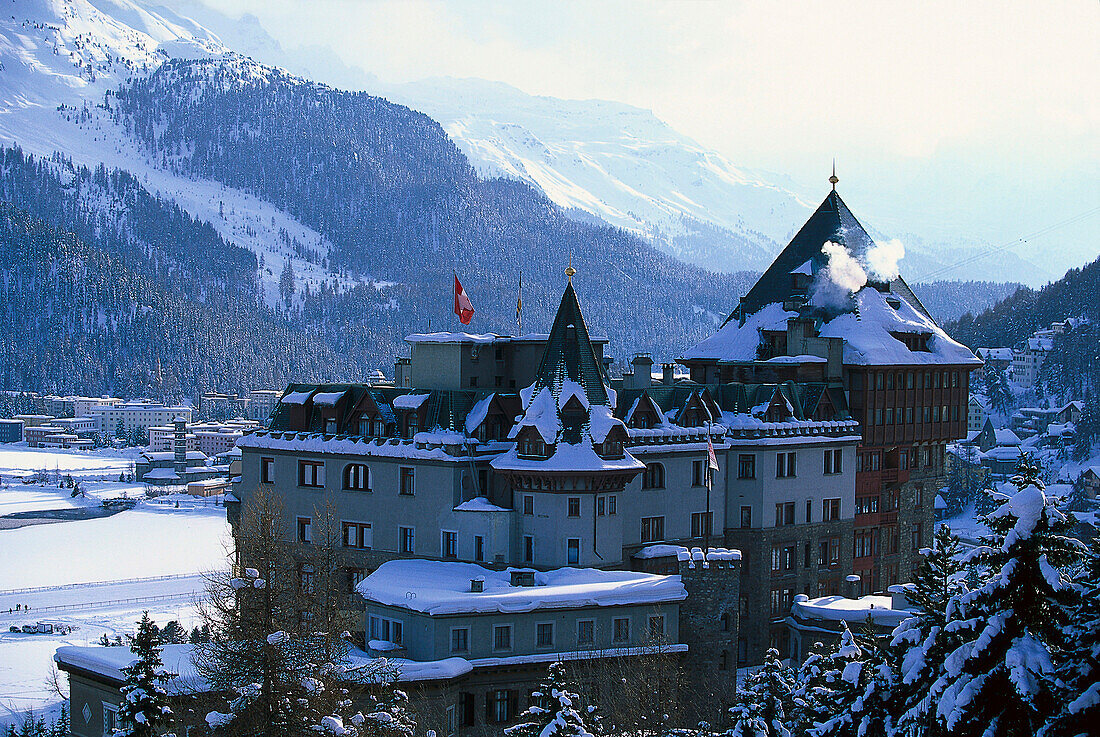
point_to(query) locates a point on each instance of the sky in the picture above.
(769, 84)
(971, 123)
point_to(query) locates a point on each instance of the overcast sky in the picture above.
(767, 83)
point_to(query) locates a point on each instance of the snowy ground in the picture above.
(79, 572)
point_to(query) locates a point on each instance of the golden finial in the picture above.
(569, 270)
(833, 179)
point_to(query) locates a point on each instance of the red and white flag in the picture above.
(463, 307)
(712, 460)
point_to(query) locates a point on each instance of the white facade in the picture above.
(135, 415)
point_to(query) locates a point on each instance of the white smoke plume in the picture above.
(883, 258)
(842, 277)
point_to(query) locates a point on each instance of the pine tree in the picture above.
(1080, 668)
(556, 710)
(389, 715)
(999, 681)
(920, 641)
(764, 702)
(861, 683)
(144, 711)
(812, 696)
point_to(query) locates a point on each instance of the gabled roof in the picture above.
(569, 353)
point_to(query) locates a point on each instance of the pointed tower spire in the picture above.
(833, 179)
(569, 270)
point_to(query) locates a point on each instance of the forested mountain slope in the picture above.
(101, 311)
(398, 201)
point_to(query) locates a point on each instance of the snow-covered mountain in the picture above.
(59, 59)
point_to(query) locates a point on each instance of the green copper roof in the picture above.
(569, 353)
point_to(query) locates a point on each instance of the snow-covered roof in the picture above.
(437, 587)
(1003, 453)
(1004, 436)
(994, 354)
(476, 338)
(734, 342)
(868, 340)
(109, 662)
(296, 397)
(345, 445)
(567, 457)
(479, 504)
(806, 268)
(162, 474)
(409, 401)
(167, 455)
(803, 358)
(681, 553)
(842, 609)
(478, 412)
(328, 399)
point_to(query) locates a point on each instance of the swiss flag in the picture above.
(463, 307)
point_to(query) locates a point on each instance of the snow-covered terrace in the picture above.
(835, 609)
(438, 587)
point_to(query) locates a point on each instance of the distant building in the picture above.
(998, 358)
(35, 420)
(212, 438)
(76, 425)
(178, 466)
(257, 405)
(11, 431)
(135, 415)
(977, 412)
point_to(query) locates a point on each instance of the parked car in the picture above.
(14, 628)
(30, 629)
(44, 628)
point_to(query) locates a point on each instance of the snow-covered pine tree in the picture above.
(812, 696)
(764, 701)
(389, 715)
(920, 643)
(556, 710)
(999, 681)
(862, 686)
(1079, 671)
(144, 711)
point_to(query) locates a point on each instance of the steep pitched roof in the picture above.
(569, 353)
(832, 221)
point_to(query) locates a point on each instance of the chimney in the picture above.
(523, 577)
(668, 373)
(477, 585)
(853, 586)
(643, 371)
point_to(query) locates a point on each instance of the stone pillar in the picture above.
(709, 621)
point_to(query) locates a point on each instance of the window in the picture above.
(746, 517)
(784, 465)
(358, 535)
(809, 511)
(448, 544)
(408, 481)
(781, 601)
(479, 548)
(746, 466)
(356, 477)
(918, 529)
(110, 719)
(586, 632)
(889, 415)
(908, 415)
(574, 506)
(528, 549)
(611, 505)
(452, 720)
(655, 631)
(573, 551)
(783, 557)
(311, 473)
(702, 523)
(878, 381)
(830, 510)
(502, 637)
(473, 381)
(267, 470)
(501, 705)
(305, 579)
(698, 473)
(386, 630)
(909, 380)
(784, 514)
(460, 640)
(529, 505)
(601, 507)
(742, 651)
(878, 416)
(867, 504)
(305, 530)
(544, 634)
(863, 544)
(620, 628)
(406, 538)
(653, 529)
(353, 576)
(654, 476)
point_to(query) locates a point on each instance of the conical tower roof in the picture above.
(569, 353)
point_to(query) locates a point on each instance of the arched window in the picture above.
(724, 660)
(654, 476)
(726, 621)
(357, 477)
